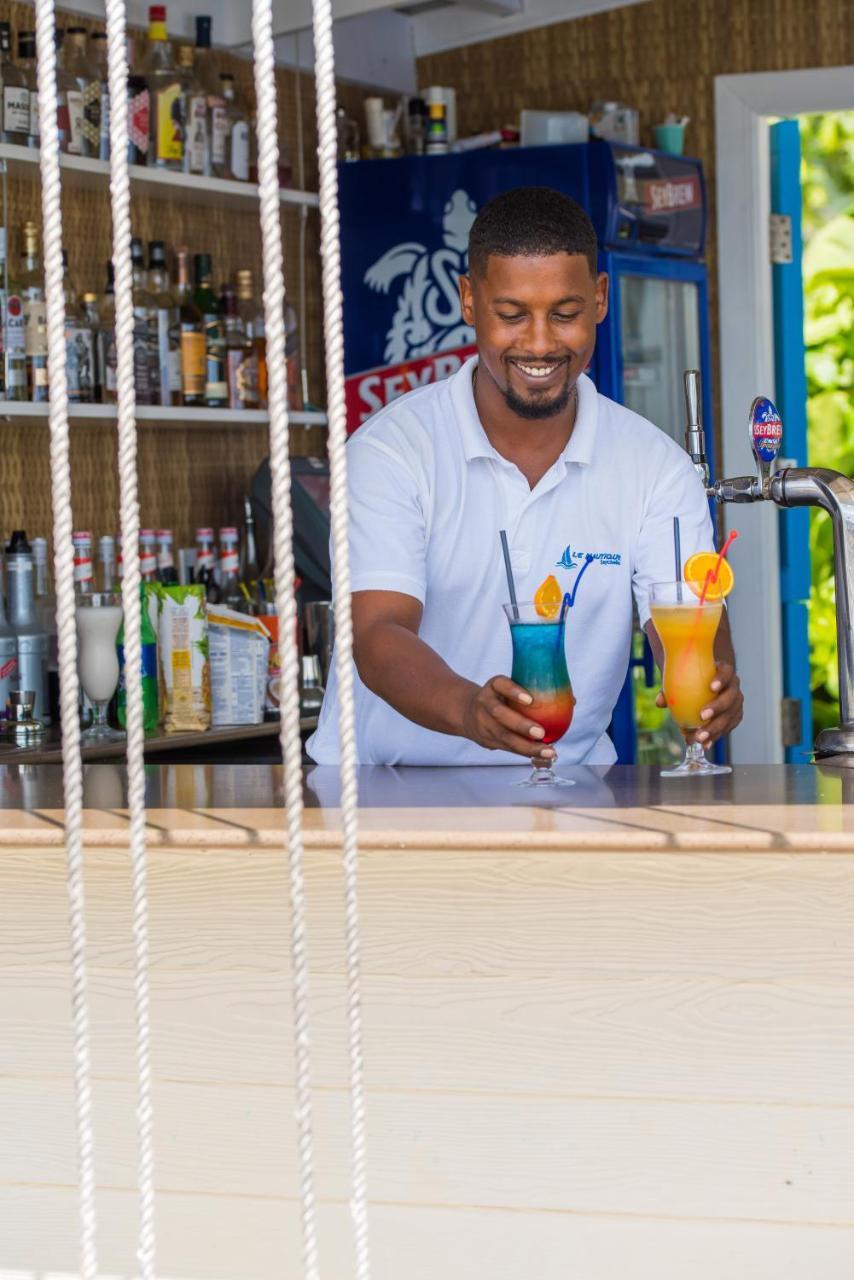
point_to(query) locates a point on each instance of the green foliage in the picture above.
(827, 180)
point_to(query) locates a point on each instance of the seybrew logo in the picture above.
(666, 195)
(426, 319)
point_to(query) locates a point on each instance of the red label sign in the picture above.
(372, 390)
(670, 195)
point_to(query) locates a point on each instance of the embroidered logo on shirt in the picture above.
(572, 559)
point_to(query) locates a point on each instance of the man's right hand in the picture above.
(491, 719)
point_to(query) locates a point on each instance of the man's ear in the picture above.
(467, 300)
(601, 296)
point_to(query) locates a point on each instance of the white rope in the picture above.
(333, 324)
(129, 523)
(280, 470)
(60, 483)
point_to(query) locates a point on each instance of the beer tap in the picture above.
(794, 487)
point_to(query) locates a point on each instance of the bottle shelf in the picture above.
(165, 415)
(161, 184)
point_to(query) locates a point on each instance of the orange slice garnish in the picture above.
(703, 563)
(548, 597)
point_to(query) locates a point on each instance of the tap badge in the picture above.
(766, 429)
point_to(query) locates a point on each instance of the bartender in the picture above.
(518, 439)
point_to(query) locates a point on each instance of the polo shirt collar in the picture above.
(476, 443)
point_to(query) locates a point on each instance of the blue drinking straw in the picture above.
(677, 557)
(569, 600)
(511, 585)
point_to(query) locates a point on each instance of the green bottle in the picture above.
(150, 695)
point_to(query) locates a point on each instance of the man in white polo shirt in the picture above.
(518, 439)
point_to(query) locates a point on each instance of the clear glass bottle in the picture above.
(146, 371)
(31, 637)
(45, 605)
(237, 140)
(206, 563)
(208, 77)
(15, 95)
(79, 344)
(168, 324)
(30, 285)
(107, 558)
(99, 57)
(196, 148)
(106, 340)
(166, 571)
(166, 95)
(148, 555)
(27, 63)
(216, 381)
(92, 314)
(88, 79)
(14, 333)
(250, 571)
(243, 380)
(229, 568)
(69, 101)
(192, 331)
(234, 348)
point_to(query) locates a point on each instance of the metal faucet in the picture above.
(794, 487)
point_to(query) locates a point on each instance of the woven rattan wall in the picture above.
(660, 56)
(187, 476)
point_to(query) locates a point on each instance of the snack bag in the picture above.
(184, 665)
(239, 648)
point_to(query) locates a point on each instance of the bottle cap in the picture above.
(204, 533)
(226, 75)
(136, 249)
(18, 543)
(146, 535)
(82, 535)
(164, 535)
(202, 266)
(228, 532)
(76, 31)
(107, 543)
(65, 259)
(203, 31)
(5, 36)
(156, 253)
(89, 297)
(39, 546)
(157, 13)
(26, 44)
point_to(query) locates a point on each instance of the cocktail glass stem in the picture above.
(695, 762)
(100, 729)
(543, 775)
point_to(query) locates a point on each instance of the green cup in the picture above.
(670, 138)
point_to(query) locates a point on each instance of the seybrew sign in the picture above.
(368, 392)
(669, 195)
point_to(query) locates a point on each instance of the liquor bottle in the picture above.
(84, 585)
(16, 93)
(8, 659)
(107, 558)
(30, 286)
(27, 63)
(192, 337)
(146, 371)
(216, 382)
(168, 325)
(206, 563)
(105, 340)
(139, 111)
(99, 58)
(166, 95)
(229, 569)
(79, 344)
(166, 571)
(45, 605)
(237, 126)
(235, 344)
(69, 103)
(148, 555)
(292, 359)
(88, 79)
(92, 316)
(196, 149)
(208, 77)
(245, 377)
(148, 671)
(250, 572)
(30, 635)
(4, 293)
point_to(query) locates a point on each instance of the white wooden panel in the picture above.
(216, 1238)
(651, 1036)
(581, 1155)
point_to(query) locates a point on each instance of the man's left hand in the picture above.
(724, 712)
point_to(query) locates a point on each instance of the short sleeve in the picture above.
(386, 522)
(679, 492)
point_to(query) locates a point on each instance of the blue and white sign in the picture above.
(766, 429)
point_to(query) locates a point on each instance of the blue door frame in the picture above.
(609, 370)
(790, 388)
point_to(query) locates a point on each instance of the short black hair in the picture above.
(532, 222)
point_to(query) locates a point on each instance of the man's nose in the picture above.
(541, 338)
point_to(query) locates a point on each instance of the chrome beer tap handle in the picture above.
(695, 438)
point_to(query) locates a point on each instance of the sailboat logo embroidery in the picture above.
(572, 559)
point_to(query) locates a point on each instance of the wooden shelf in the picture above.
(160, 184)
(164, 415)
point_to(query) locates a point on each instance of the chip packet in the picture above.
(239, 648)
(184, 664)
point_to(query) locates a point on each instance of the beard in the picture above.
(537, 410)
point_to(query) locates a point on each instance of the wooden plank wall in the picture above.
(578, 1065)
(660, 56)
(188, 476)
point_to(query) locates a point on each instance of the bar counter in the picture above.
(607, 1033)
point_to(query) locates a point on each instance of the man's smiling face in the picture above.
(535, 321)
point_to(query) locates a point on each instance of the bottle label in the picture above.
(147, 563)
(15, 328)
(8, 669)
(216, 382)
(193, 363)
(79, 363)
(82, 566)
(35, 326)
(219, 133)
(204, 559)
(170, 123)
(145, 376)
(35, 127)
(16, 109)
(91, 122)
(229, 562)
(240, 151)
(197, 135)
(139, 121)
(242, 379)
(74, 102)
(107, 360)
(163, 318)
(164, 558)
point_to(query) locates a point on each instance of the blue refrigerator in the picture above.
(404, 228)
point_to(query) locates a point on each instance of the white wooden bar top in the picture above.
(608, 1035)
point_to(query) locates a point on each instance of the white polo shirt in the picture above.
(428, 496)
